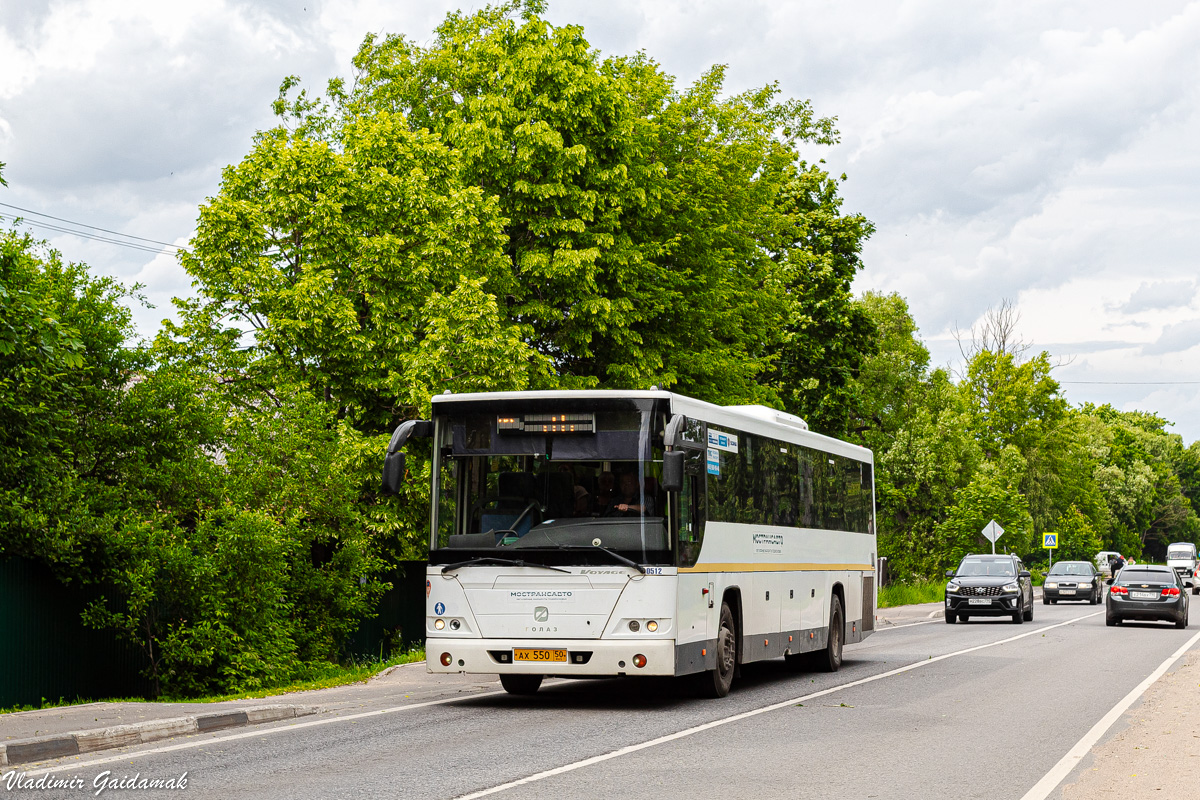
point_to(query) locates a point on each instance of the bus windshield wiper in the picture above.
(516, 562)
(605, 550)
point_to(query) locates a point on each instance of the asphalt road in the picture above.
(982, 709)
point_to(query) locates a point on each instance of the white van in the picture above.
(1102, 562)
(1181, 557)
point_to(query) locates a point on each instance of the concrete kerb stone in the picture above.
(19, 751)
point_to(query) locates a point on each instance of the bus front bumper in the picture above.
(584, 657)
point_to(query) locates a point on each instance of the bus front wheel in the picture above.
(716, 682)
(521, 684)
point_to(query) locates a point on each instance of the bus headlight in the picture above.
(634, 625)
(455, 624)
(652, 626)
(439, 623)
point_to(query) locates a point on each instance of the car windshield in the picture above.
(992, 567)
(1071, 568)
(1145, 576)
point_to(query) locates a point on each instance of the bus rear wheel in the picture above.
(521, 684)
(716, 682)
(830, 659)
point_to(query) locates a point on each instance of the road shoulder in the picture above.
(1155, 752)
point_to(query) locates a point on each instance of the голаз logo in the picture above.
(541, 614)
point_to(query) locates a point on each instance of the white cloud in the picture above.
(1175, 338)
(1158, 296)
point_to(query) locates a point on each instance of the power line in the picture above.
(90, 236)
(82, 235)
(1139, 383)
(85, 225)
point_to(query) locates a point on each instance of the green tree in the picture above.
(630, 233)
(316, 262)
(1139, 472)
(918, 473)
(993, 494)
(62, 366)
(894, 375)
(641, 221)
(1077, 539)
(828, 337)
(1012, 402)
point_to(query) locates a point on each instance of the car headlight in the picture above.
(951, 587)
(1011, 587)
(1051, 586)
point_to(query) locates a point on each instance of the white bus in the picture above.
(597, 533)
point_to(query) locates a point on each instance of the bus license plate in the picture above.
(979, 601)
(526, 654)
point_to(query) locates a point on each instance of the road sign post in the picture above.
(992, 532)
(1050, 542)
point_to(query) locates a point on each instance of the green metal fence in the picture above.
(47, 653)
(400, 622)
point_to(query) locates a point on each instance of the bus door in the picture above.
(698, 605)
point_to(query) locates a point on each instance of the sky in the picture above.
(1043, 154)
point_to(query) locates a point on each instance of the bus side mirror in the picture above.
(393, 462)
(393, 472)
(672, 474)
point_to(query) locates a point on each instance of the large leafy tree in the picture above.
(620, 231)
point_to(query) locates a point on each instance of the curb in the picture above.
(19, 751)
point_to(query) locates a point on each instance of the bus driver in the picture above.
(628, 501)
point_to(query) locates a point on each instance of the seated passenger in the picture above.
(583, 501)
(604, 491)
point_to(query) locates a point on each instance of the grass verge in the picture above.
(334, 675)
(327, 677)
(907, 594)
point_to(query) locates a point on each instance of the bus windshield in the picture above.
(544, 487)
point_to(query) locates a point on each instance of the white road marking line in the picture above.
(247, 734)
(624, 751)
(1062, 769)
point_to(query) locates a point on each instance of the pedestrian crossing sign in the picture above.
(1050, 540)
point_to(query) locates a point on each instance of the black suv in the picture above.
(989, 586)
